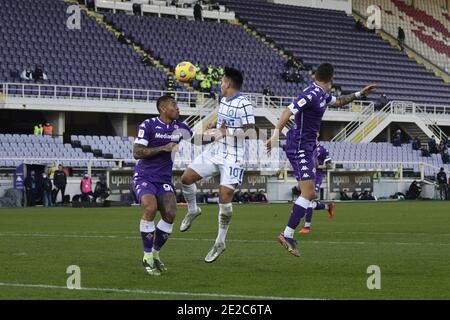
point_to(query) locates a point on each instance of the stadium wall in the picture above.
(344, 5)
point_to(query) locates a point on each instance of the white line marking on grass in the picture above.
(155, 292)
(81, 236)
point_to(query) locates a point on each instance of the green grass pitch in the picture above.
(409, 241)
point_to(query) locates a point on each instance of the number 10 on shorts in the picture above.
(236, 172)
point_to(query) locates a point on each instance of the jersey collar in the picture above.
(165, 124)
(232, 98)
(316, 85)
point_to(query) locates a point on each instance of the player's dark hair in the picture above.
(162, 100)
(235, 76)
(324, 72)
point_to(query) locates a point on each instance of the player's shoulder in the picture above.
(148, 122)
(181, 125)
(243, 102)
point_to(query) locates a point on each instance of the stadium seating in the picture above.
(426, 26)
(118, 147)
(220, 44)
(41, 147)
(35, 32)
(360, 57)
(26, 146)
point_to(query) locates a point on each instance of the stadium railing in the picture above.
(161, 8)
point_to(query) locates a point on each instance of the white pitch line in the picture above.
(80, 236)
(155, 292)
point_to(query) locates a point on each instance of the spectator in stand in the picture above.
(136, 7)
(39, 74)
(445, 156)
(38, 129)
(170, 85)
(382, 102)
(48, 129)
(441, 147)
(198, 11)
(355, 195)
(401, 37)
(123, 39)
(441, 179)
(416, 143)
(397, 139)
(60, 182)
(425, 152)
(45, 189)
(359, 26)
(27, 74)
(432, 145)
(86, 188)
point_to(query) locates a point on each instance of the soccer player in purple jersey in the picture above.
(152, 180)
(308, 109)
(323, 162)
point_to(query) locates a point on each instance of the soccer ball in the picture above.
(185, 71)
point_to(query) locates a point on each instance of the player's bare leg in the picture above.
(301, 205)
(147, 229)
(167, 204)
(188, 180)
(225, 213)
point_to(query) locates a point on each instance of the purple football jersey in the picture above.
(308, 109)
(322, 157)
(154, 133)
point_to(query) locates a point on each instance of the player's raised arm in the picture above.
(344, 99)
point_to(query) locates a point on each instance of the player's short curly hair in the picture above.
(324, 72)
(235, 76)
(162, 100)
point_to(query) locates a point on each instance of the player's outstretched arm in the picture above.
(344, 99)
(284, 118)
(142, 152)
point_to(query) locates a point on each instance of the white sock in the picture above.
(225, 213)
(307, 224)
(289, 232)
(147, 226)
(189, 192)
(164, 226)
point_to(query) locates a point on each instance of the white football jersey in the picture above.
(235, 112)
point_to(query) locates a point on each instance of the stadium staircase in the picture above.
(370, 124)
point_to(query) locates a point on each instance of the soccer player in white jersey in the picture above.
(224, 157)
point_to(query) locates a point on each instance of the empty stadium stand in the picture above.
(14, 148)
(35, 33)
(426, 26)
(360, 156)
(360, 57)
(219, 44)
